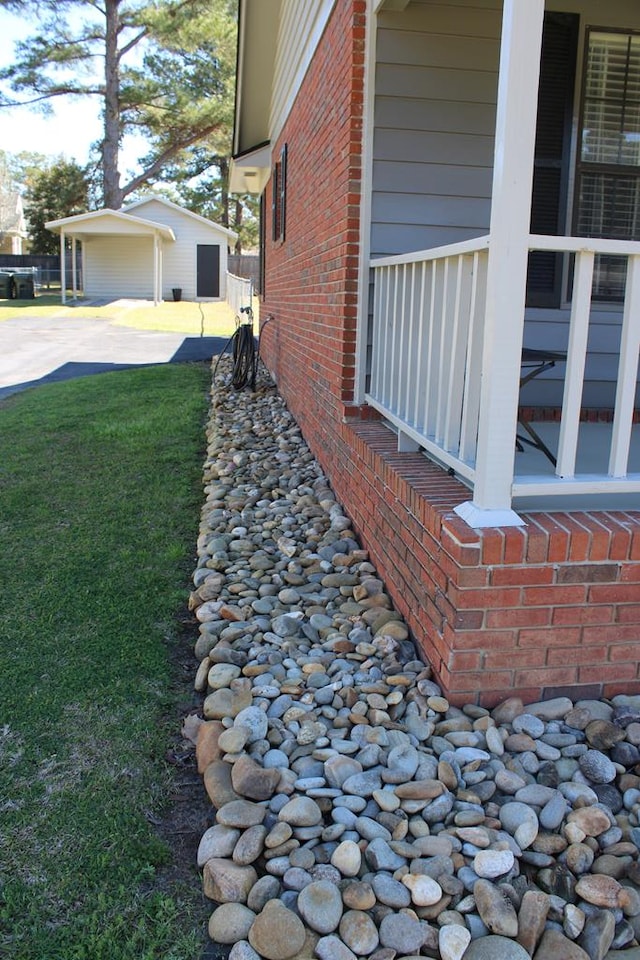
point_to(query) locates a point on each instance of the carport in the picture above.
(109, 223)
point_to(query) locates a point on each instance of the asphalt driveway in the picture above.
(35, 350)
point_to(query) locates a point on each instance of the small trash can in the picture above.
(177, 293)
(6, 286)
(24, 288)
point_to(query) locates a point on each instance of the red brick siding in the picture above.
(552, 607)
(497, 610)
(312, 277)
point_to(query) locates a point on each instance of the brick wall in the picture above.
(546, 609)
(312, 276)
(550, 608)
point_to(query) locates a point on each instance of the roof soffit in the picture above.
(257, 44)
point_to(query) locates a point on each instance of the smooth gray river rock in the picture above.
(356, 813)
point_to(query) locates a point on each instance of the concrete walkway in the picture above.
(36, 350)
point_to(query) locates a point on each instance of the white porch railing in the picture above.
(426, 359)
(239, 294)
(426, 352)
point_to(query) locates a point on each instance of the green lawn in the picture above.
(211, 319)
(100, 495)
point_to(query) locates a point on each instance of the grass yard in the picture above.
(188, 317)
(100, 493)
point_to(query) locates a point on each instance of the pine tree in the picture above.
(169, 72)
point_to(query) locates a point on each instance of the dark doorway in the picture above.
(208, 270)
(551, 165)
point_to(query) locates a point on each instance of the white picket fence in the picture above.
(239, 295)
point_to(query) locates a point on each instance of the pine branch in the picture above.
(163, 158)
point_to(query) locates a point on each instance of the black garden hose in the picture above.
(245, 357)
(245, 352)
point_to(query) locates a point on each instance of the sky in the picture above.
(73, 127)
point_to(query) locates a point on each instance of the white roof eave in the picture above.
(109, 223)
(249, 173)
(257, 43)
(230, 234)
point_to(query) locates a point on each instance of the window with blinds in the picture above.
(608, 170)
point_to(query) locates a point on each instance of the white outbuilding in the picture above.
(152, 249)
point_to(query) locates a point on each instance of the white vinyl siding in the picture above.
(121, 264)
(118, 267)
(436, 84)
(179, 258)
(300, 30)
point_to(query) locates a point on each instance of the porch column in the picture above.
(156, 269)
(63, 269)
(74, 267)
(520, 50)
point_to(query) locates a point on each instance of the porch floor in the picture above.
(593, 454)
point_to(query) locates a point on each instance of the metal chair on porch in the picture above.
(533, 364)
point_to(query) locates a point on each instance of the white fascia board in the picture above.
(112, 222)
(79, 218)
(393, 6)
(176, 206)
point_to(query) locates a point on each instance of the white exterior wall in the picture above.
(300, 29)
(179, 258)
(118, 266)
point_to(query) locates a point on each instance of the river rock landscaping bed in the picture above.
(358, 814)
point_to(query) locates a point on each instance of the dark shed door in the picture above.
(208, 270)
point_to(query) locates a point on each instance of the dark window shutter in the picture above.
(283, 191)
(263, 241)
(551, 162)
(275, 206)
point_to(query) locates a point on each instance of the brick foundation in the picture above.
(552, 607)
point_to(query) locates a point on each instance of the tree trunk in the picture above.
(237, 224)
(223, 167)
(110, 144)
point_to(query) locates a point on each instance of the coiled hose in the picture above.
(245, 357)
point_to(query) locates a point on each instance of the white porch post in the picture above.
(507, 268)
(74, 267)
(63, 269)
(156, 269)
